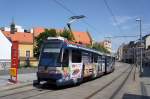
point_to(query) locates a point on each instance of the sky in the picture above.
(98, 21)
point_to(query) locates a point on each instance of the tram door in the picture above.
(75, 64)
(108, 64)
(104, 64)
(87, 64)
(99, 66)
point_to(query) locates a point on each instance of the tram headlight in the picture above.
(58, 72)
(60, 80)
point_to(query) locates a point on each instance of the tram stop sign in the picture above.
(13, 72)
(14, 61)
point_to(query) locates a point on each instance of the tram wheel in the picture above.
(36, 82)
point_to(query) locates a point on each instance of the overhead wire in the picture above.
(113, 15)
(73, 13)
(131, 36)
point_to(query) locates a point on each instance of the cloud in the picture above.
(122, 19)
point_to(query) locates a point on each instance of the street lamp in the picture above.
(73, 19)
(139, 20)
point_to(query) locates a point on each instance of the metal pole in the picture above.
(140, 65)
(140, 48)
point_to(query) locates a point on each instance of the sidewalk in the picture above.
(145, 81)
(22, 79)
(20, 71)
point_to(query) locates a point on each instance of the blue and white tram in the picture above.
(62, 62)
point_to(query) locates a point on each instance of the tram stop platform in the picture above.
(23, 80)
(141, 87)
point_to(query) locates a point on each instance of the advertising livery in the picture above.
(62, 62)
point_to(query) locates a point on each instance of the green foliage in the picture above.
(67, 34)
(39, 40)
(100, 48)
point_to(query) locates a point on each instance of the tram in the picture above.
(62, 62)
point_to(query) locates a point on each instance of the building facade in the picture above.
(5, 52)
(120, 52)
(107, 44)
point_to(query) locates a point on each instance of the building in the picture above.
(146, 41)
(37, 31)
(82, 37)
(79, 37)
(107, 44)
(16, 27)
(5, 52)
(25, 40)
(120, 52)
(126, 52)
(137, 52)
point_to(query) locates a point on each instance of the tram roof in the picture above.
(77, 46)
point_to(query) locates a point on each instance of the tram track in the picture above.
(18, 87)
(16, 91)
(111, 82)
(34, 92)
(121, 85)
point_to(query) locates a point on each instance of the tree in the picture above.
(39, 40)
(67, 34)
(100, 48)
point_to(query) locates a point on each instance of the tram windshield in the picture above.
(50, 55)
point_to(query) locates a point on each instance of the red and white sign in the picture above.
(14, 61)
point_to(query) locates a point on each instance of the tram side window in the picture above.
(76, 56)
(66, 58)
(95, 58)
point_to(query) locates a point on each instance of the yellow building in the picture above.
(25, 46)
(25, 50)
(107, 44)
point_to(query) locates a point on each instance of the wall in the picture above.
(33, 62)
(147, 42)
(5, 52)
(25, 47)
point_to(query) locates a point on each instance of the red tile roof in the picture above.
(82, 37)
(21, 37)
(38, 30)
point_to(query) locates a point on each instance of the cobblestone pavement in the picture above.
(20, 71)
(123, 83)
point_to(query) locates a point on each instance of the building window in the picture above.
(27, 54)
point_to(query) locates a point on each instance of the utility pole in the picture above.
(140, 66)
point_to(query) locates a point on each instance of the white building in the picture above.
(120, 52)
(17, 28)
(5, 28)
(147, 41)
(5, 52)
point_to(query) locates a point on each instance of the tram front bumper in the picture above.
(48, 76)
(56, 79)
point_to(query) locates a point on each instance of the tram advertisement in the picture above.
(76, 70)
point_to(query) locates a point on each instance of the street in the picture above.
(117, 85)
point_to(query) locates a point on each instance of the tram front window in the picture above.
(50, 56)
